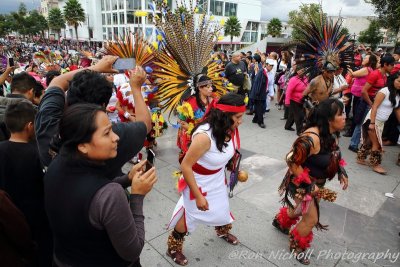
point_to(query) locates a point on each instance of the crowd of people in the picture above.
(70, 122)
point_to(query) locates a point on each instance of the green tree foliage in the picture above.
(371, 35)
(300, 16)
(19, 21)
(274, 27)
(388, 12)
(232, 28)
(36, 23)
(74, 14)
(6, 24)
(56, 20)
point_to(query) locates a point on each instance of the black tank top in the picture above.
(318, 163)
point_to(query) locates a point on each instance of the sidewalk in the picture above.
(364, 225)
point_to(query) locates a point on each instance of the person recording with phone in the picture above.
(93, 223)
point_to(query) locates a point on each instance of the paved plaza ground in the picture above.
(364, 224)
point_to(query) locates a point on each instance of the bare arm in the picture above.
(310, 88)
(364, 93)
(377, 102)
(359, 73)
(5, 74)
(104, 65)
(137, 78)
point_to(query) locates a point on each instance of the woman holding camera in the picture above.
(93, 223)
(204, 198)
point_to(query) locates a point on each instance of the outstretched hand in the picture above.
(105, 65)
(137, 77)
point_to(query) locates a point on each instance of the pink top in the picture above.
(359, 83)
(295, 89)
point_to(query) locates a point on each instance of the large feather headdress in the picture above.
(323, 43)
(131, 46)
(185, 41)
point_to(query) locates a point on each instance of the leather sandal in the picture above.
(380, 170)
(178, 257)
(301, 257)
(231, 239)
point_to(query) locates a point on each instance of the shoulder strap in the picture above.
(312, 133)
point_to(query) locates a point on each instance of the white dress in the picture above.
(212, 186)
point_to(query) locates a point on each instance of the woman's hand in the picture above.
(371, 127)
(105, 65)
(344, 181)
(139, 167)
(142, 183)
(184, 125)
(202, 203)
(137, 77)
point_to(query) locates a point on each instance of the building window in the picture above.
(201, 5)
(109, 34)
(116, 31)
(121, 4)
(251, 32)
(103, 19)
(108, 5)
(216, 7)
(115, 18)
(130, 18)
(230, 9)
(102, 5)
(134, 4)
(114, 5)
(108, 19)
(121, 18)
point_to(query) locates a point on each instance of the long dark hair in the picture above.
(77, 126)
(372, 62)
(200, 78)
(393, 92)
(320, 116)
(221, 122)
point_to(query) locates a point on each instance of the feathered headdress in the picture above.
(48, 58)
(131, 46)
(185, 41)
(323, 43)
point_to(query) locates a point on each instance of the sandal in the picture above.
(231, 239)
(278, 226)
(380, 170)
(178, 257)
(301, 257)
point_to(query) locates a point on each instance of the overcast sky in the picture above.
(271, 8)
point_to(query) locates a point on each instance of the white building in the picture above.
(108, 18)
(46, 5)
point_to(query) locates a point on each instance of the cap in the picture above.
(379, 49)
(329, 66)
(270, 62)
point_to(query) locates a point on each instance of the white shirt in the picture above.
(338, 81)
(385, 108)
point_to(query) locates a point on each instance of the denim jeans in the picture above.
(355, 138)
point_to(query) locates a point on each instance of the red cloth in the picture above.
(377, 80)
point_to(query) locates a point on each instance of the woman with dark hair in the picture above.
(198, 103)
(204, 197)
(370, 63)
(93, 223)
(314, 158)
(386, 100)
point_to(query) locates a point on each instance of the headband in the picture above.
(228, 108)
(203, 83)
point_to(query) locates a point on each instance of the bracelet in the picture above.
(372, 123)
(126, 114)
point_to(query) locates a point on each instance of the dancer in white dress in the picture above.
(204, 198)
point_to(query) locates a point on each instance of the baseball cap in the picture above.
(379, 49)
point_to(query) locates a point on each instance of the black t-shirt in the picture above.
(235, 72)
(21, 176)
(51, 108)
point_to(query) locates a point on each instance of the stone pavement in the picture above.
(364, 225)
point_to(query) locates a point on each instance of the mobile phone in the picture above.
(11, 62)
(150, 159)
(123, 64)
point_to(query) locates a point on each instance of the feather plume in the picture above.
(185, 41)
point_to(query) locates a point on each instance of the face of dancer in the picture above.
(104, 141)
(338, 122)
(397, 83)
(206, 90)
(237, 120)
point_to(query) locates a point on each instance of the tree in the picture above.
(56, 20)
(36, 23)
(299, 17)
(6, 24)
(232, 28)
(371, 35)
(274, 27)
(388, 12)
(74, 14)
(19, 21)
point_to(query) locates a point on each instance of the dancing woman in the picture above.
(198, 103)
(204, 198)
(314, 158)
(386, 100)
